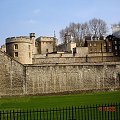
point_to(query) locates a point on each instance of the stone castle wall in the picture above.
(12, 76)
(61, 78)
(69, 59)
(16, 79)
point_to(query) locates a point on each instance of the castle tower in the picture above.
(46, 44)
(32, 38)
(20, 48)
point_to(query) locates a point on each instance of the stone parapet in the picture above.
(18, 39)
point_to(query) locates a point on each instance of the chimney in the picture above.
(32, 35)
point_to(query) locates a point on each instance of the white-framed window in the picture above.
(116, 53)
(110, 50)
(16, 46)
(16, 54)
(90, 44)
(104, 49)
(115, 47)
(94, 44)
(95, 50)
(109, 44)
(104, 44)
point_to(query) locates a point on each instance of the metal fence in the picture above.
(92, 112)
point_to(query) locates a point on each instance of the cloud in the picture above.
(36, 11)
(28, 22)
(31, 21)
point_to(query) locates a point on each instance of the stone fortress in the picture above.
(40, 66)
(24, 47)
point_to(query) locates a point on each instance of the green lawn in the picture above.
(35, 102)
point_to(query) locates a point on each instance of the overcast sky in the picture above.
(20, 17)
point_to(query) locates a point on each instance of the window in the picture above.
(115, 47)
(116, 53)
(104, 49)
(29, 47)
(16, 46)
(94, 44)
(29, 55)
(95, 50)
(16, 54)
(115, 42)
(90, 50)
(46, 50)
(90, 44)
(109, 44)
(110, 50)
(104, 44)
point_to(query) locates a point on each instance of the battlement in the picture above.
(18, 39)
(44, 38)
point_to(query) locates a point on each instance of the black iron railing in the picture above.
(92, 112)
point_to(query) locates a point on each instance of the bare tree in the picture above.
(78, 31)
(97, 27)
(73, 30)
(62, 35)
(84, 30)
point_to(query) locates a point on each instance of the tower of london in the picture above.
(31, 65)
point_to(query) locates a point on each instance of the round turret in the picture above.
(20, 48)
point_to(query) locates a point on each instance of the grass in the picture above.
(34, 102)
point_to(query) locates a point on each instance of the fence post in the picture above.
(63, 113)
(105, 110)
(66, 113)
(97, 112)
(20, 114)
(40, 114)
(7, 114)
(102, 111)
(37, 114)
(53, 114)
(0, 115)
(88, 112)
(84, 112)
(30, 114)
(72, 113)
(13, 115)
(24, 114)
(27, 114)
(56, 113)
(119, 111)
(50, 113)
